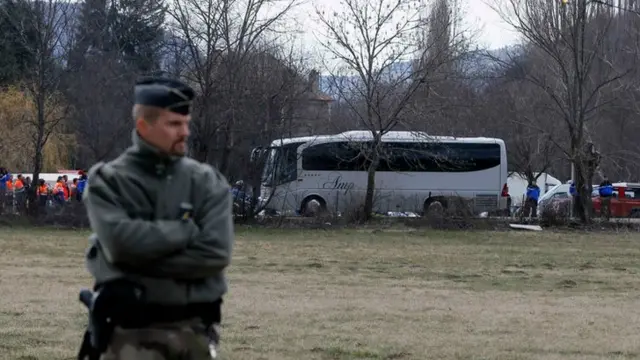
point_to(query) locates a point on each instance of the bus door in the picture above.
(285, 177)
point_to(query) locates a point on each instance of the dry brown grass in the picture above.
(359, 295)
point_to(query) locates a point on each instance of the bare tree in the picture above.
(220, 38)
(273, 87)
(531, 153)
(573, 72)
(377, 44)
(619, 124)
(197, 42)
(524, 118)
(44, 27)
(445, 95)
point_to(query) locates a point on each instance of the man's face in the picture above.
(169, 132)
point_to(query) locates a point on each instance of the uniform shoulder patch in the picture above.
(95, 169)
(102, 169)
(210, 173)
(217, 176)
(102, 174)
(95, 172)
(190, 164)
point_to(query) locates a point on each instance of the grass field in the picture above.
(359, 295)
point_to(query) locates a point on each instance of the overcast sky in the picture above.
(478, 17)
(495, 33)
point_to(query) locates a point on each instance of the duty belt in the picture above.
(122, 304)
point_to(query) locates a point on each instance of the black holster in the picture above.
(107, 306)
(123, 303)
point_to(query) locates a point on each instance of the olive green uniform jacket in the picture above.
(163, 222)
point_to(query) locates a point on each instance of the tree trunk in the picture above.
(586, 163)
(199, 149)
(371, 177)
(228, 144)
(32, 197)
(371, 185)
(583, 206)
(224, 160)
(37, 159)
(530, 176)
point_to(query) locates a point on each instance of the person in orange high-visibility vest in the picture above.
(20, 194)
(65, 187)
(43, 189)
(43, 192)
(18, 185)
(10, 184)
(73, 188)
(58, 191)
(8, 195)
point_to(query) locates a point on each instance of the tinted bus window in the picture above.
(335, 156)
(439, 157)
(403, 157)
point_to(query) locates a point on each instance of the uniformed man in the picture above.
(531, 203)
(605, 190)
(162, 238)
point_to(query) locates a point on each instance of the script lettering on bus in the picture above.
(338, 184)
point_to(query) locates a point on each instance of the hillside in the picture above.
(473, 63)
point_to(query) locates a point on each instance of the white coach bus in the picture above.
(415, 171)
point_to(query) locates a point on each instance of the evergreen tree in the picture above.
(129, 30)
(16, 56)
(138, 29)
(91, 32)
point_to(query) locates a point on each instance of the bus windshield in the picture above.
(267, 173)
(281, 165)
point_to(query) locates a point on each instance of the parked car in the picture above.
(554, 199)
(624, 203)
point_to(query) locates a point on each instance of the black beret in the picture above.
(165, 93)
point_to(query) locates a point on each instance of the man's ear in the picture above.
(141, 125)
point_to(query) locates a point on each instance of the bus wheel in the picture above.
(434, 207)
(313, 206)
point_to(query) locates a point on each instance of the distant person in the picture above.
(65, 187)
(531, 204)
(238, 191)
(9, 195)
(605, 190)
(18, 185)
(43, 193)
(20, 193)
(82, 183)
(4, 176)
(59, 191)
(9, 183)
(73, 188)
(574, 198)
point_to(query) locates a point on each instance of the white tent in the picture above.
(518, 186)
